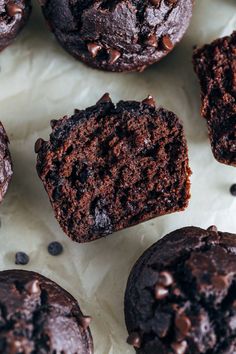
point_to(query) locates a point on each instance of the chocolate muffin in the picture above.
(109, 167)
(37, 317)
(215, 65)
(13, 17)
(118, 35)
(5, 163)
(181, 294)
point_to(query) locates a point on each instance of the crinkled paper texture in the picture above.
(40, 82)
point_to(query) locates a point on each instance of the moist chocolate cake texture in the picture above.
(181, 294)
(118, 35)
(215, 65)
(13, 17)
(109, 167)
(5, 163)
(37, 316)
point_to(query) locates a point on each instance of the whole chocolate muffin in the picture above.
(181, 294)
(109, 167)
(13, 17)
(118, 35)
(5, 163)
(215, 65)
(39, 317)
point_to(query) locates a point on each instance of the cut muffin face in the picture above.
(13, 17)
(118, 35)
(38, 316)
(110, 167)
(215, 65)
(6, 171)
(180, 296)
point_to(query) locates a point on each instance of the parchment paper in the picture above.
(39, 82)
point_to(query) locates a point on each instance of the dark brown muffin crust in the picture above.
(5, 163)
(37, 316)
(110, 167)
(215, 65)
(118, 35)
(181, 294)
(13, 17)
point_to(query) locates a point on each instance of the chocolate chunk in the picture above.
(113, 35)
(19, 10)
(99, 182)
(38, 316)
(215, 67)
(21, 258)
(202, 318)
(55, 248)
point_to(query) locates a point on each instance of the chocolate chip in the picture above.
(76, 111)
(160, 292)
(38, 145)
(21, 258)
(55, 248)
(13, 9)
(85, 321)
(233, 190)
(179, 348)
(155, 2)
(183, 324)
(113, 56)
(149, 101)
(167, 43)
(212, 228)
(93, 49)
(165, 279)
(151, 40)
(134, 339)
(171, 2)
(53, 123)
(219, 281)
(33, 287)
(104, 98)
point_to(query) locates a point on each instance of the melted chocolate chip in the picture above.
(134, 339)
(55, 248)
(183, 324)
(21, 258)
(155, 2)
(53, 123)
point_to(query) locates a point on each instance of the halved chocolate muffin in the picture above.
(110, 166)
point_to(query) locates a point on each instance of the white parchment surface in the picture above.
(40, 82)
